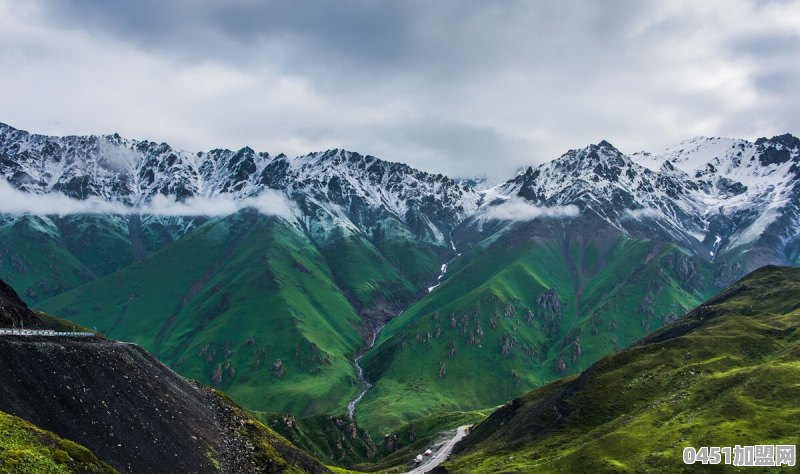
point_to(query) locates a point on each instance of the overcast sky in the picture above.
(461, 87)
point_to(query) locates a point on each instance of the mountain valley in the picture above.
(265, 276)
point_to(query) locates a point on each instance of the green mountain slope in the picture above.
(338, 441)
(249, 304)
(373, 285)
(725, 374)
(521, 309)
(44, 256)
(26, 448)
(244, 303)
(35, 259)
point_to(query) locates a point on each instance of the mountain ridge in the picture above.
(526, 281)
(691, 189)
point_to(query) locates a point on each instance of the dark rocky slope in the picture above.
(130, 410)
(13, 311)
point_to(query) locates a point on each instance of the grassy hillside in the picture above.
(250, 305)
(36, 261)
(337, 441)
(334, 439)
(24, 448)
(374, 287)
(725, 374)
(244, 303)
(521, 310)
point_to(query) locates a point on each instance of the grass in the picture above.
(36, 261)
(724, 375)
(249, 304)
(244, 303)
(24, 449)
(364, 274)
(336, 441)
(476, 332)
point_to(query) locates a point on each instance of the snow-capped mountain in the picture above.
(335, 188)
(602, 180)
(746, 190)
(710, 195)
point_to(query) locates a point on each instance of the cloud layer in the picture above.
(643, 213)
(14, 201)
(462, 87)
(517, 209)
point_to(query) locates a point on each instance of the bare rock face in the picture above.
(13, 311)
(686, 268)
(216, 377)
(277, 366)
(549, 310)
(727, 273)
(390, 442)
(561, 366)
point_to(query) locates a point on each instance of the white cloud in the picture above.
(269, 202)
(643, 213)
(517, 209)
(14, 201)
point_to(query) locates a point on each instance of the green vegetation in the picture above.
(413, 437)
(24, 449)
(45, 256)
(100, 242)
(35, 260)
(245, 303)
(250, 305)
(725, 374)
(58, 324)
(412, 258)
(374, 287)
(337, 441)
(517, 312)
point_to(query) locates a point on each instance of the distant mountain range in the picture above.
(266, 275)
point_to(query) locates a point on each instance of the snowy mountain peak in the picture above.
(706, 193)
(340, 187)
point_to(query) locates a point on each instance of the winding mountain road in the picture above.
(442, 453)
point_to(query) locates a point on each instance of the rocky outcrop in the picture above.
(684, 267)
(727, 273)
(549, 310)
(13, 311)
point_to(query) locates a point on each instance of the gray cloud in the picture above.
(269, 202)
(462, 87)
